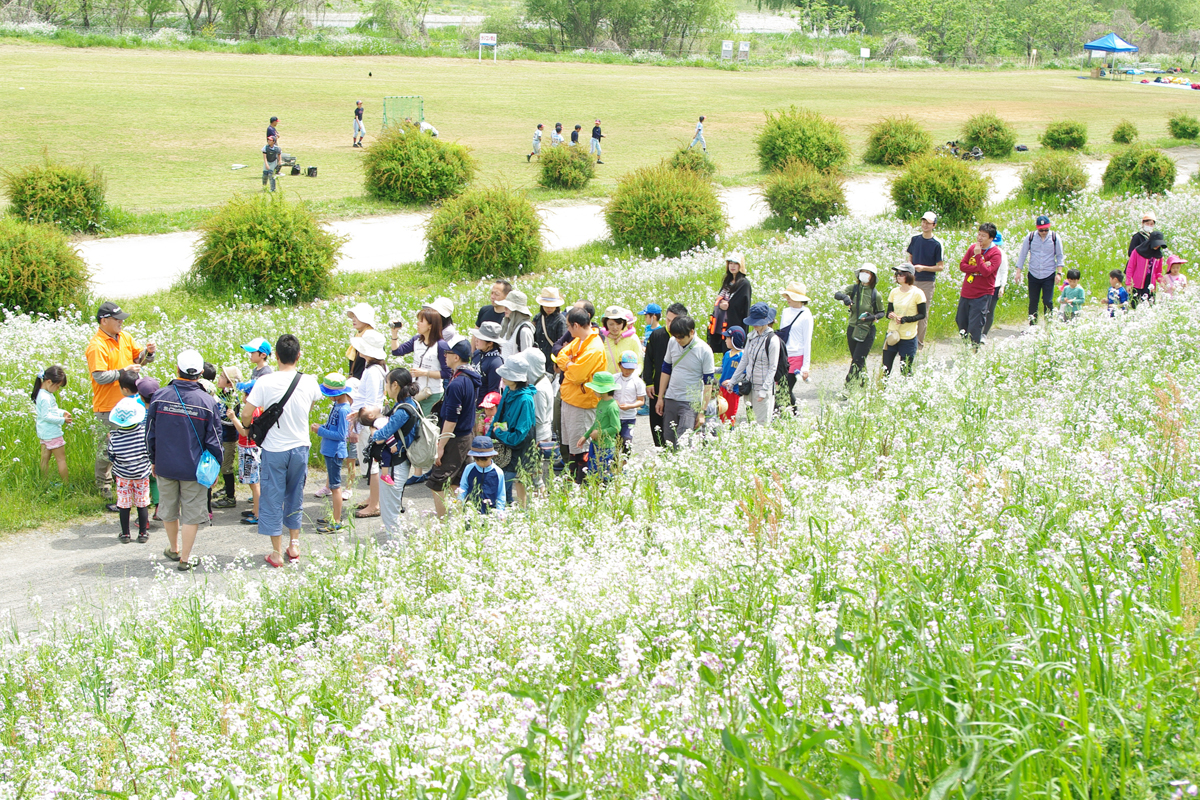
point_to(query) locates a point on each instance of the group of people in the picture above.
(535, 388)
(556, 139)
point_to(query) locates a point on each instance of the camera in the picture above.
(397, 324)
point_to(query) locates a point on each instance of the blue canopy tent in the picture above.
(1110, 43)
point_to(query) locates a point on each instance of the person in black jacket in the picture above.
(549, 325)
(732, 304)
(652, 361)
(1142, 235)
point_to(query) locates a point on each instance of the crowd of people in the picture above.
(530, 392)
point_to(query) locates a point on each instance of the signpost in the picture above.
(726, 51)
(487, 40)
(864, 53)
(744, 52)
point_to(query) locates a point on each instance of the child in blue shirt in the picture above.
(482, 483)
(333, 443)
(735, 340)
(1118, 296)
(50, 419)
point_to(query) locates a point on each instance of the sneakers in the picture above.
(598, 161)
(388, 479)
(124, 537)
(225, 502)
(249, 519)
(347, 494)
(323, 492)
(143, 536)
(171, 554)
(415, 479)
(330, 527)
(529, 157)
(644, 411)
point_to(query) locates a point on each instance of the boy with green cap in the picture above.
(333, 444)
(607, 426)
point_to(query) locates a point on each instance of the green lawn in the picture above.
(166, 126)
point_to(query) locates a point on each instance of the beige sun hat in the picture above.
(550, 297)
(737, 257)
(795, 290)
(515, 301)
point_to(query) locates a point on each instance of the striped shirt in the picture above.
(128, 452)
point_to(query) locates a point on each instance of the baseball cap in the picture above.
(146, 387)
(929, 216)
(190, 363)
(629, 359)
(904, 266)
(490, 400)
(652, 308)
(1043, 222)
(461, 348)
(245, 386)
(259, 345)
(111, 310)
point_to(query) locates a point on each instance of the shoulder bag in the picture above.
(208, 468)
(260, 427)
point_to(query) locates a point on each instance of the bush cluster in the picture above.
(39, 269)
(1183, 125)
(949, 187)
(265, 249)
(803, 135)
(693, 160)
(800, 193)
(71, 197)
(664, 210)
(406, 166)
(1139, 168)
(989, 133)
(1125, 132)
(1064, 135)
(1053, 179)
(565, 168)
(895, 141)
(485, 232)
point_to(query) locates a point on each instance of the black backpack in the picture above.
(261, 426)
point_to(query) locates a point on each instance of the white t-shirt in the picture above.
(292, 430)
(628, 391)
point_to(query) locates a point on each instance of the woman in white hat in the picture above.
(445, 308)
(550, 324)
(906, 307)
(796, 329)
(733, 301)
(368, 394)
(620, 336)
(362, 317)
(517, 329)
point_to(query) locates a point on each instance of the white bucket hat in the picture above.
(363, 313)
(370, 345)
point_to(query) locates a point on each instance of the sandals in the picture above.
(360, 506)
(124, 537)
(143, 537)
(171, 554)
(288, 552)
(361, 515)
(267, 558)
(184, 566)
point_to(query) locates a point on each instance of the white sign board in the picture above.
(864, 52)
(744, 52)
(487, 39)
(726, 51)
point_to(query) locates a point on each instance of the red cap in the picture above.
(490, 400)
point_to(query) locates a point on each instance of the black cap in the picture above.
(109, 309)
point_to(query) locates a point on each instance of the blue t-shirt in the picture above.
(924, 253)
(729, 364)
(333, 432)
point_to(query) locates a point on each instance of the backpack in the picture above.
(1053, 238)
(423, 450)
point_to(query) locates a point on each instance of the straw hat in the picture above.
(795, 290)
(550, 297)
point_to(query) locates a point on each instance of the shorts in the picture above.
(453, 458)
(55, 443)
(575, 423)
(627, 429)
(249, 459)
(229, 458)
(333, 471)
(133, 492)
(185, 501)
(352, 451)
(795, 364)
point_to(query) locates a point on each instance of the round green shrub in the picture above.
(39, 269)
(1065, 134)
(693, 160)
(1139, 168)
(950, 187)
(1183, 125)
(803, 135)
(989, 133)
(484, 232)
(1125, 132)
(894, 141)
(565, 168)
(404, 166)
(267, 250)
(664, 210)
(1053, 179)
(71, 197)
(800, 193)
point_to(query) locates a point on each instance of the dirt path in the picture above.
(85, 566)
(128, 266)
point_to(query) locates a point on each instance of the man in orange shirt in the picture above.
(578, 361)
(110, 351)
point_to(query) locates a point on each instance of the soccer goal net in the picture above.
(398, 108)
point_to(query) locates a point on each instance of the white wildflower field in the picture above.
(979, 581)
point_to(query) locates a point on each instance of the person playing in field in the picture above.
(427, 128)
(556, 138)
(1118, 295)
(537, 143)
(273, 128)
(50, 419)
(596, 137)
(1072, 297)
(575, 135)
(271, 155)
(699, 137)
(359, 130)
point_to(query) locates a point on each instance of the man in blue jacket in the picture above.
(181, 423)
(456, 422)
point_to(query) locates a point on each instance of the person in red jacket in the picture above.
(978, 265)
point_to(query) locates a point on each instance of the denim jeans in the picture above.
(282, 475)
(1043, 287)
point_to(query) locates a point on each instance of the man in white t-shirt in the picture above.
(285, 450)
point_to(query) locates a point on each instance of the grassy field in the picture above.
(166, 126)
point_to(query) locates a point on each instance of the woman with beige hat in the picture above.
(796, 329)
(516, 332)
(362, 317)
(550, 324)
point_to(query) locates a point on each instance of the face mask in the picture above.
(864, 277)
(1147, 227)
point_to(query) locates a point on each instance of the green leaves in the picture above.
(1053, 179)
(951, 188)
(39, 269)
(484, 232)
(799, 193)
(802, 135)
(69, 197)
(406, 166)
(566, 168)
(664, 210)
(895, 141)
(989, 133)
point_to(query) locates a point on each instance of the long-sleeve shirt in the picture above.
(578, 362)
(1045, 256)
(625, 342)
(607, 422)
(427, 358)
(543, 409)
(517, 411)
(656, 351)
(979, 272)
(333, 433)
(759, 360)
(50, 417)
(483, 486)
(128, 452)
(1072, 297)
(547, 329)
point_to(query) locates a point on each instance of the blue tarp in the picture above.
(1111, 43)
